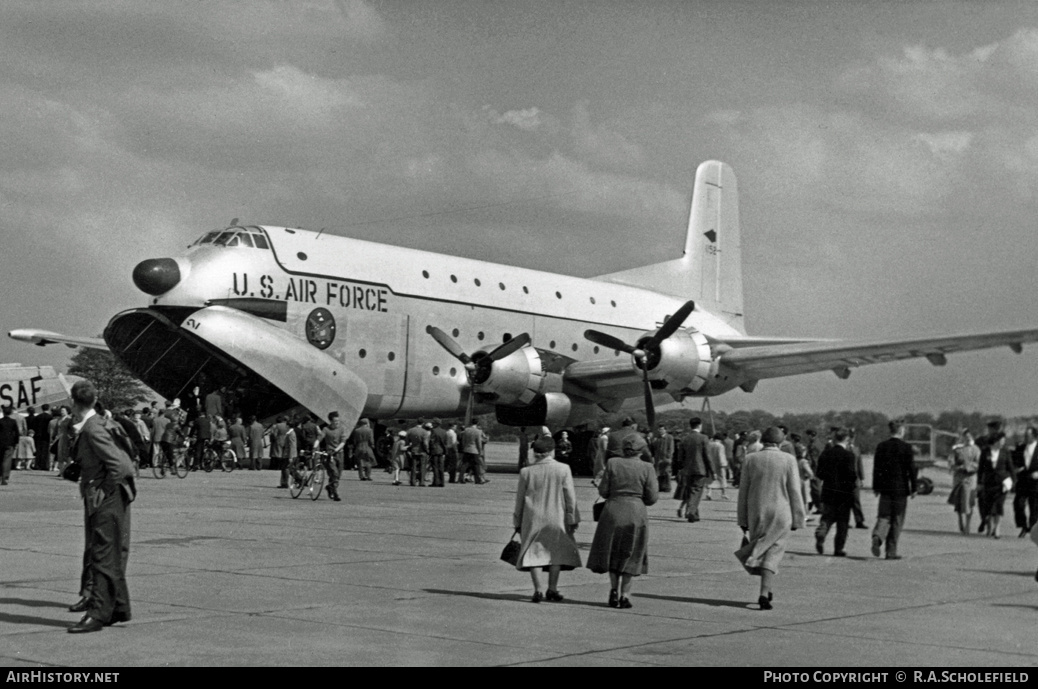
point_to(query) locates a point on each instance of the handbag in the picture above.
(71, 472)
(596, 509)
(511, 552)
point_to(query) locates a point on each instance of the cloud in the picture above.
(946, 144)
(527, 120)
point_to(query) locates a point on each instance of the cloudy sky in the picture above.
(887, 156)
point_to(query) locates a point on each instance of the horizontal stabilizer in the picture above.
(42, 338)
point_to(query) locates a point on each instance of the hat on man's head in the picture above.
(773, 435)
(543, 445)
(427, 426)
(176, 403)
(633, 445)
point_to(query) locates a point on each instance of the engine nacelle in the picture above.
(685, 362)
(552, 409)
(517, 379)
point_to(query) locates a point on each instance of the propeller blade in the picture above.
(609, 341)
(671, 325)
(515, 344)
(650, 408)
(468, 408)
(449, 344)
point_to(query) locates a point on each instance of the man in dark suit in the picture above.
(1025, 468)
(893, 479)
(437, 451)
(838, 475)
(859, 514)
(41, 426)
(8, 443)
(106, 484)
(418, 451)
(696, 470)
(362, 448)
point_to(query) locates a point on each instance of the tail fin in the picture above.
(710, 269)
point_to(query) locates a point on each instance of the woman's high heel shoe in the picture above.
(614, 599)
(764, 602)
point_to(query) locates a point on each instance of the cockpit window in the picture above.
(207, 238)
(223, 238)
(251, 237)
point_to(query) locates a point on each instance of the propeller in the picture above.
(646, 351)
(479, 365)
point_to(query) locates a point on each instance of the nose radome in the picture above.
(156, 275)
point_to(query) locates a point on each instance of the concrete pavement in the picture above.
(225, 569)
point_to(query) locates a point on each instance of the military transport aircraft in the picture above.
(297, 318)
(22, 387)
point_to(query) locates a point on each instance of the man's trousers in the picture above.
(1025, 506)
(107, 552)
(890, 520)
(838, 513)
(696, 484)
(419, 468)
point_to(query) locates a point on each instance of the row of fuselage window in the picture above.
(391, 356)
(501, 286)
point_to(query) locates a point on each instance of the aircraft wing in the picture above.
(42, 338)
(776, 361)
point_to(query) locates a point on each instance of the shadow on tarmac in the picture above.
(28, 619)
(1016, 572)
(712, 602)
(929, 532)
(29, 603)
(516, 597)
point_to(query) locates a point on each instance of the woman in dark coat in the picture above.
(994, 476)
(621, 543)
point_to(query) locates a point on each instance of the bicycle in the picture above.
(219, 454)
(177, 465)
(310, 476)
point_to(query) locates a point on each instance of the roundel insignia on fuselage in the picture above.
(320, 328)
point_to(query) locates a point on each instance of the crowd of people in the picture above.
(783, 479)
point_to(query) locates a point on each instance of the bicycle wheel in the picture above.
(209, 460)
(316, 482)
(158, 467)
(297, 482)
(180, 464)
(227, 460)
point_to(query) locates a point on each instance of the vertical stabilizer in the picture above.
(710, 268)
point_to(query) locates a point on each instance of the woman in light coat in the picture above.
(770, 506)
(546, 515)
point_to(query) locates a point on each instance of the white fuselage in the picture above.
(383, 298)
